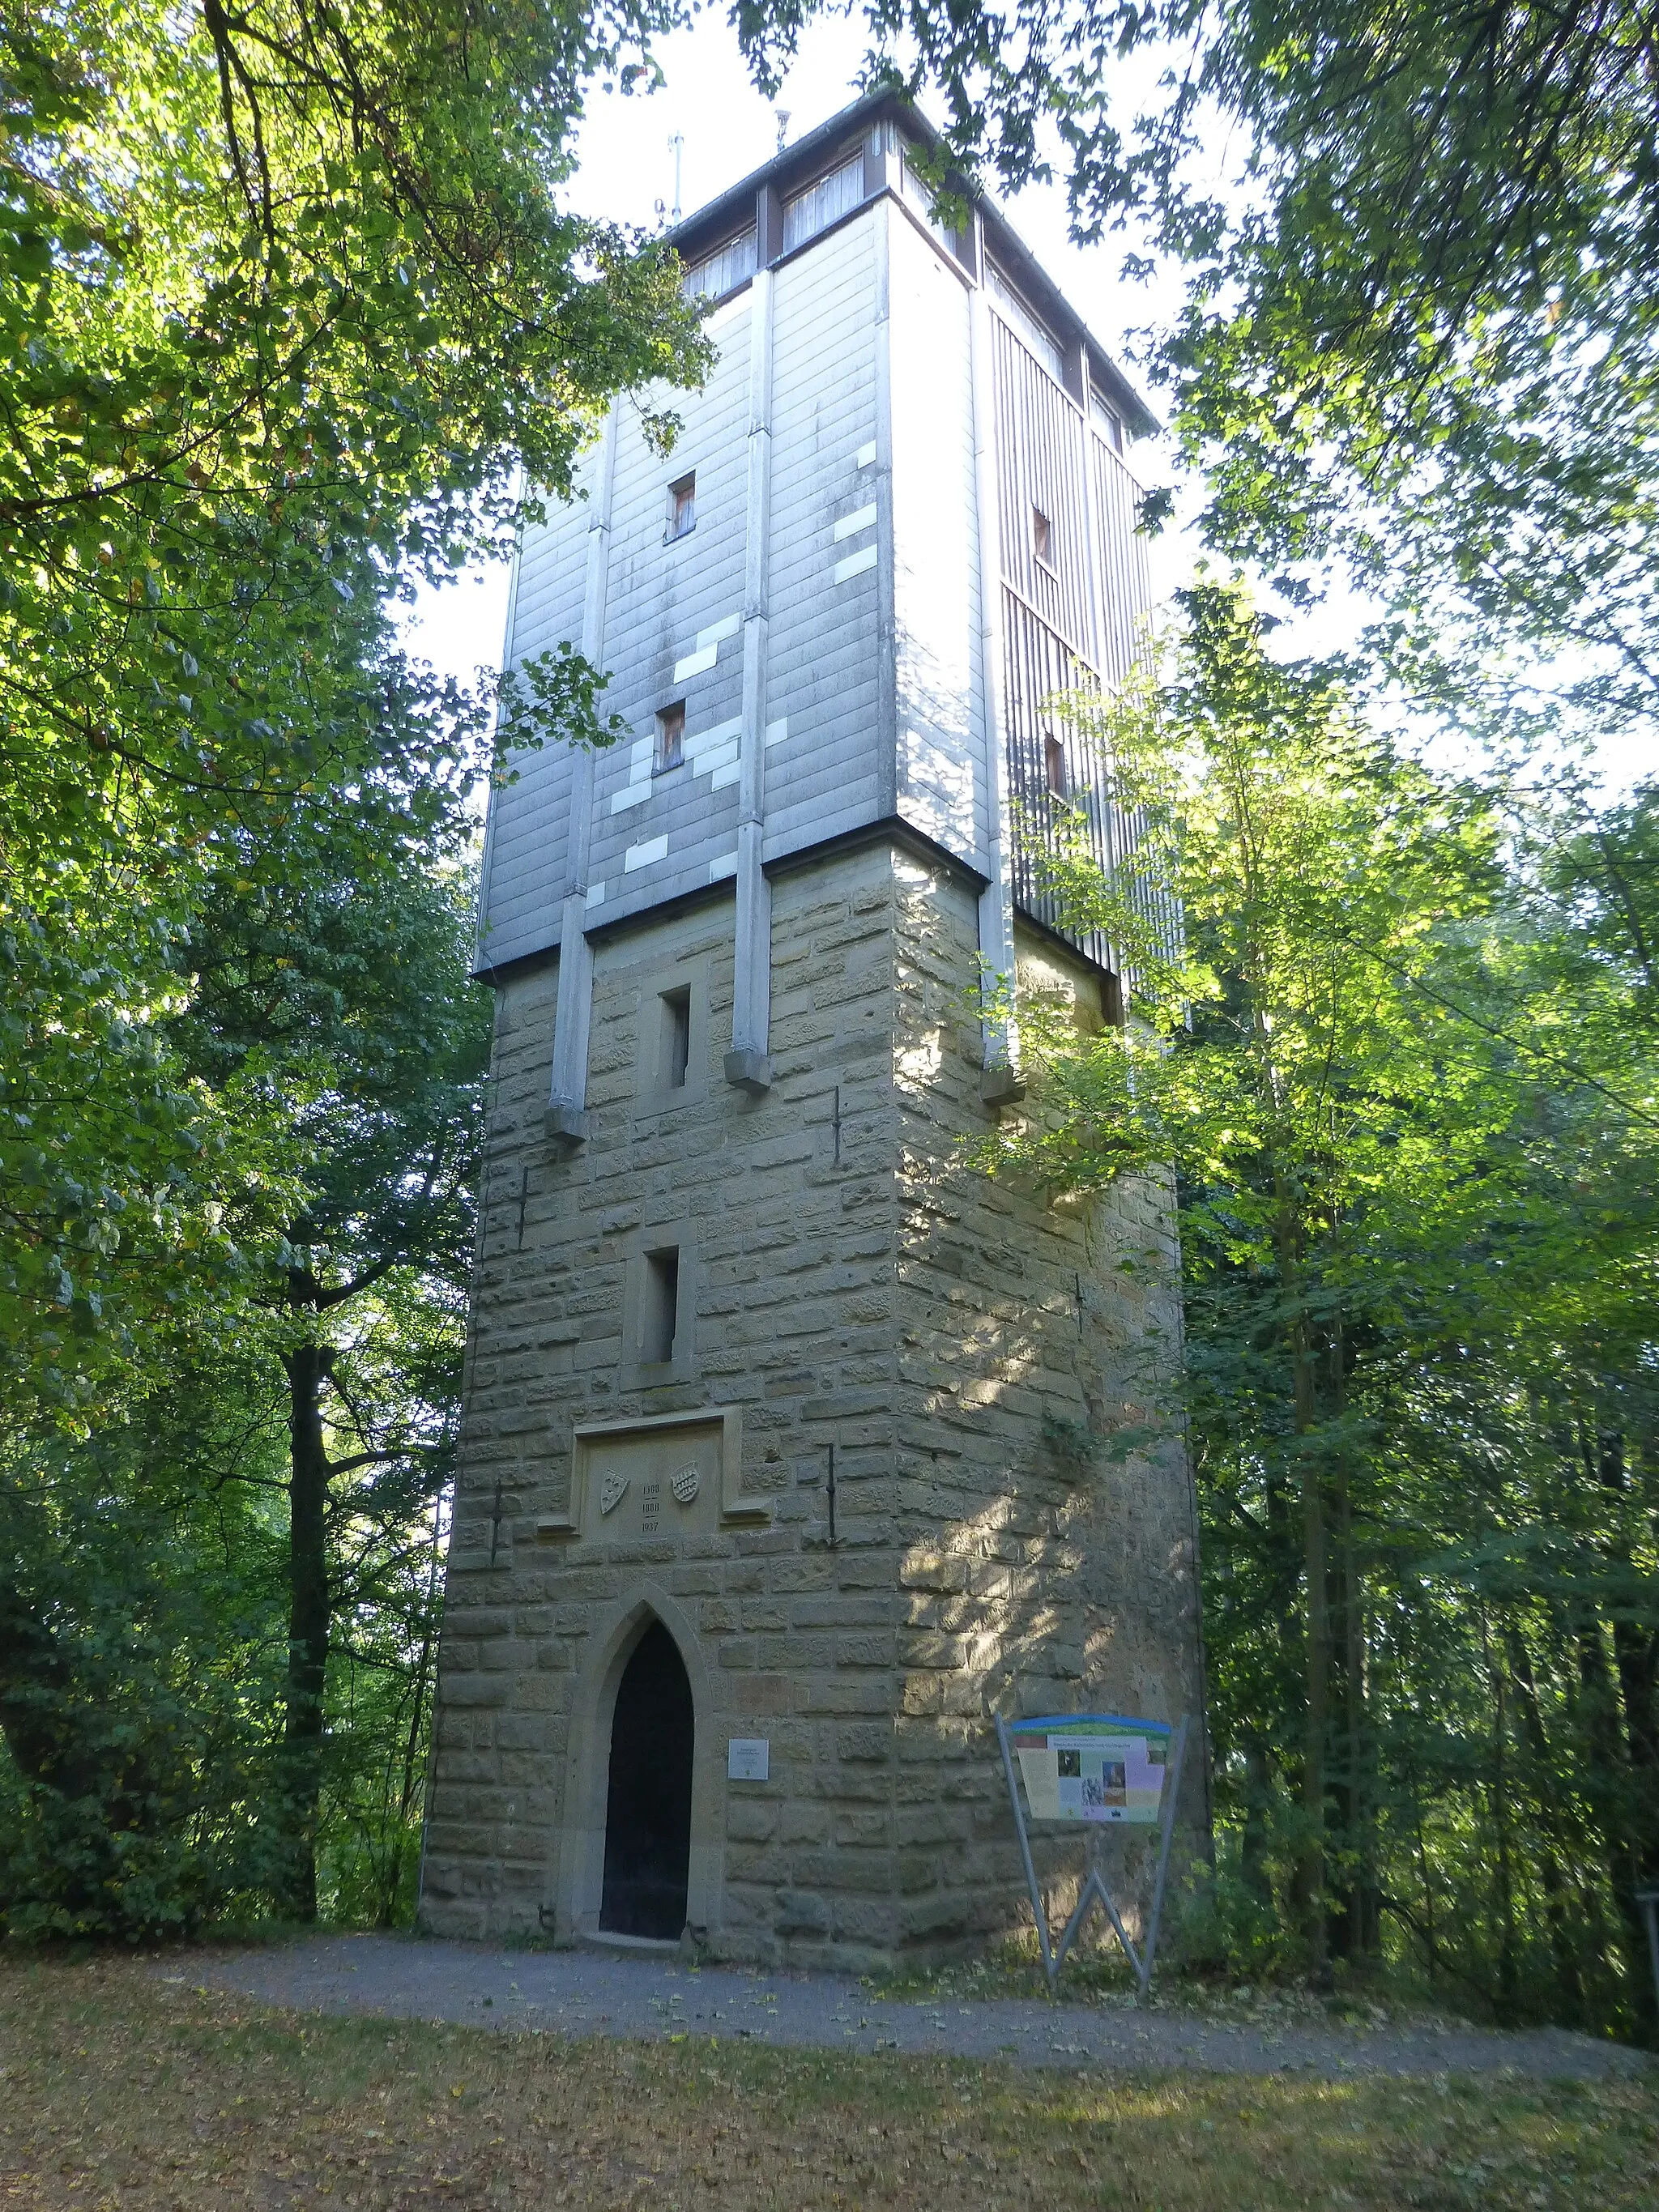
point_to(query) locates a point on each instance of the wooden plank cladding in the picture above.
(1044, 517)
(848, 622)
(1075, 598)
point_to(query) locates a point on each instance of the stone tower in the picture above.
(786, 1456)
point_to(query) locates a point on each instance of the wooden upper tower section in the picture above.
(899, 517)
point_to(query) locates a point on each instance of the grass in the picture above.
(1099, 1974)
(120, 2090)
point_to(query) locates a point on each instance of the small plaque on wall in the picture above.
(748, 1759)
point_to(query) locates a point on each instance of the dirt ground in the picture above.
(138, 2085)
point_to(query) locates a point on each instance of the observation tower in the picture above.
(787, 1455)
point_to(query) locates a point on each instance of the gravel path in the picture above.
(594, 1992)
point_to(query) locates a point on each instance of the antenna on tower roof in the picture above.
(676, 147)
(782, 117)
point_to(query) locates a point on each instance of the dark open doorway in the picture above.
(648, 1818)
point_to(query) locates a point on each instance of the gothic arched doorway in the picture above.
(648, 1816)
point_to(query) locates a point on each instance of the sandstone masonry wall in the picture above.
(966, 1349)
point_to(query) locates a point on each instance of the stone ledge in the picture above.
(750, 1071)
(566, 1126)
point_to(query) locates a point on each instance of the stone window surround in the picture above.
(639, 1374)
(653, 1094)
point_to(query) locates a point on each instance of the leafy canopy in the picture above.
(1282, 1048)
(288, 299)
(1403, 1066)
(1418, 334)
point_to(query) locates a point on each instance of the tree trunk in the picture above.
(1564, 1958)
(1356, 1919)
(1309, 1884)
(387, 1913)
(1607, 1783)
(1356, 1922)
(1498, 1798)
(307, 1367)
(1636, 1653)
(1636, 1662)
(1430, 1941)
(1252, 1847)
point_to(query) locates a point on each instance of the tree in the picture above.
(305, 1418)
(1427, 350)
(136, 1664)
(286, 298)
(344, 993)
(1415, 1385)
(1312, 865)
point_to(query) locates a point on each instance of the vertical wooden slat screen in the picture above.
(1048, 647)
(824, 202)
(1124, 587)
(1038, 470)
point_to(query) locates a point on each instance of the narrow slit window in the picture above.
(1108, 421)
(682, 509)
(1042, 537)
(670, 737)
(1054, 766)
(662, 1301)
(676, 1037)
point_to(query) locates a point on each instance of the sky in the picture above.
(626, 173)
(625, 167)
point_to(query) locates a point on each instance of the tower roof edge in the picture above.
(795, 167)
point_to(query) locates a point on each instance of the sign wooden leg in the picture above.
(1172, 1789)
(1050, 1964)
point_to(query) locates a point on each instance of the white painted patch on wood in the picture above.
(856, 565)
(709, 750)
(863, 518)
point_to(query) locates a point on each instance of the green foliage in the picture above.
(1314, 869)
(286, 298)
(1404, 1067)
(289, 307)
(134, 1668)
(346, 991)
(183, 1734)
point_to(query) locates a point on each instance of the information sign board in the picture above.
(1097, 1769)
(1092, 1767)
